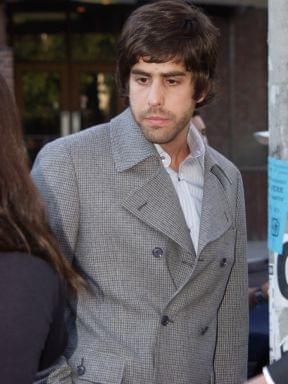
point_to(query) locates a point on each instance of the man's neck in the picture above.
(177, 153)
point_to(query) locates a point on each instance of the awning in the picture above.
(254, 3)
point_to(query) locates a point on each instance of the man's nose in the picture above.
(155, 94)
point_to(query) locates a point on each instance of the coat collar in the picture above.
(216, 214)
(130, 147)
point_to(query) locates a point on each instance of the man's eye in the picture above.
(172, 82)
(142, 80)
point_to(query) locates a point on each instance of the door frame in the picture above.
(70, 83)
(61, 68)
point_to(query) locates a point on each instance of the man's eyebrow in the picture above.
(136, 71)
(173, 74)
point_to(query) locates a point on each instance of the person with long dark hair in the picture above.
(33, 275)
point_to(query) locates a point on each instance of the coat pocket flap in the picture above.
(101, 368)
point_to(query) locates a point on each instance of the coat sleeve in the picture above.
(58, 373)
(54, 175)
(230, 363)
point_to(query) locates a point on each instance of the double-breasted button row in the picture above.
(157, 252)
(165, 320)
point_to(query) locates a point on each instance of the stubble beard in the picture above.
(162, 135)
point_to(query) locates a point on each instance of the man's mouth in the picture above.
(157, 120)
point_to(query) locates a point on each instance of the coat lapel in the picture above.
(153, 200)
(156, 203)
(216, 215)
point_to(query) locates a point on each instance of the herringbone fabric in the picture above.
(156, 312)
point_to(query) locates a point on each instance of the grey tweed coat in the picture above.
(156, 311)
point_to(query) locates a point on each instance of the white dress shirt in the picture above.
(188, 181)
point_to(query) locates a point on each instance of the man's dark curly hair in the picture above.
(170, 30)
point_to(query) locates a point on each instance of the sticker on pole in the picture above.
(277, 202)
(278, 303)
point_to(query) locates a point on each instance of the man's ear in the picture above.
(201, 98)
(204, 94)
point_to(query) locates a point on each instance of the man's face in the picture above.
(161, 100)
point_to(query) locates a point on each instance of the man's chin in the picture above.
(157, 140)
(150, 135)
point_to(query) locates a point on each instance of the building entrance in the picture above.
(64, 55)
(59, 99)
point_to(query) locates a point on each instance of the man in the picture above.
(153, 219)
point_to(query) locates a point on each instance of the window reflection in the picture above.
(97, 99)
(41, 46)
(93, 46)
(41, 109)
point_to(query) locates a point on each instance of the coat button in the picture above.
(81, 370)
(204, 330)
(165, 320)
(223, 262)
(157, 252)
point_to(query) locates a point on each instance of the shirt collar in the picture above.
(195, 143)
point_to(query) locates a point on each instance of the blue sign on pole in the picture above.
(277, 202)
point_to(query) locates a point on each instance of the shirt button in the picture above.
(157, 252)
(223, 262)
(165, 320)
(166, 159)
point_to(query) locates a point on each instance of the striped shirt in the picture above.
(188, 181)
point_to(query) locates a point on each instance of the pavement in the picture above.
(257, 251)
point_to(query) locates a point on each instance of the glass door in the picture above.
(60, 99)
(95, 99)
(41, 94)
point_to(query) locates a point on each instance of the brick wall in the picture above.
(255, 187)
(240, 107)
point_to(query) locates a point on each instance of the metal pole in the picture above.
(278, 175)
